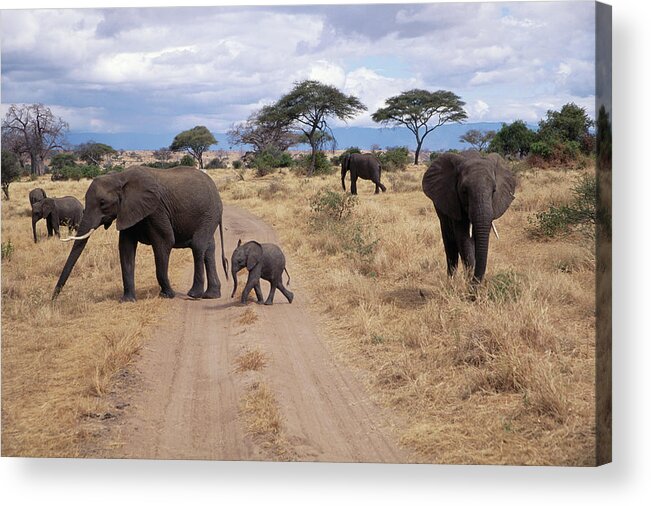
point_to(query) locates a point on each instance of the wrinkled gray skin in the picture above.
(364, 166)
(173, 208)
(468, 190)
(264, 261)
(57, 211)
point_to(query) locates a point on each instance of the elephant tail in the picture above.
(288, 278)
(221, 238)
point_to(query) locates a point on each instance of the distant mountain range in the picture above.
(444, 137)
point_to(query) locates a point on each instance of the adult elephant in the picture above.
(57, 211)
(469, 192)
(173, 208)
(361, 165)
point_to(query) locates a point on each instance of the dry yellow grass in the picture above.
(60, 359)
(263, 421)
(250, 360)
(505, 378)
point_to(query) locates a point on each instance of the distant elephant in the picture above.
(174, 208)
(362, 165)
(36, 195)
(468, 190)
(264, 261)
(57, 211)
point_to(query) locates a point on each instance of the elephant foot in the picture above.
(290, 297)
(267, 303)
(211, 294)
(167, 294)
(128, 298)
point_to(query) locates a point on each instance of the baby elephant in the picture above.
(264, 261)
(57, 211)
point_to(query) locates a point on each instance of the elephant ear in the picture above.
(254, 255)
(47, 207)
(440, 184)
(141, 196)
(504, 187)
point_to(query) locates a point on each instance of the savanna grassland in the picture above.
(502, 376)
(60, 359)
(505, 378)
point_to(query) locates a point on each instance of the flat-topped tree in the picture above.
(422, 112)
(195, 142)
(307, 108)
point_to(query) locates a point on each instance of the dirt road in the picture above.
(189, 396)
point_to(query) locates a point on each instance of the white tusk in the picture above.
(471, 230)
(78, 238)
(495, 230)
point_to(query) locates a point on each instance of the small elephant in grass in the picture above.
(57, 211)
(264, 261)
(363, 166)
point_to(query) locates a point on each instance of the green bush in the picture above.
(336, 160)
(237, 164)
(267, 161)
(7, 250)
(579, 213)
(61, 160)
(76, 172)
(329, 204)
(505, 286)
(542, 149)
(163, 165)
(188, 161)
(323, 165)
(394, 159)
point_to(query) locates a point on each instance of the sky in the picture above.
(153, 70)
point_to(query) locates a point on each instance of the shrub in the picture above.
(76, 172)
(267, 161)
(61, 160)
(332, 205)
(162, 165)
(504, 287)
(187, 160)
(336, 160)
(7, 250)
(237, 164)
(323, 166)
(219, 162)
(394, 159)
(579, 213)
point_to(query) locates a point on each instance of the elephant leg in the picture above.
(353, 183)
(50, 229)
(197, 290)
(251, 282)
(258, 292)
(34, 229)
(377, 188)
(162, 259)
(382, 187)
(289, 295)
(127, 246)
(272, 292)
(214, 290)
(449, 243)
(465, 244)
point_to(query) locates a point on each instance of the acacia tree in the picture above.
(35, 132)
(93, 153)
(264, 131)
(478, 139)
(307, 109)
(422, 112)
(195, 142)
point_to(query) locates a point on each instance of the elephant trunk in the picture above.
(85, 229)
(34, 220)
(344, 169)
(234, 274)
(481, 229)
